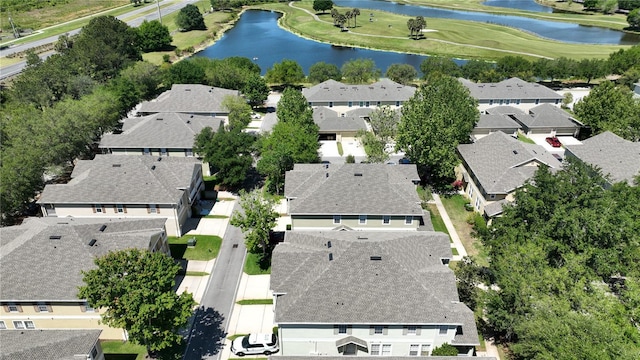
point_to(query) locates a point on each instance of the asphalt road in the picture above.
(212, 318)
(17, 68)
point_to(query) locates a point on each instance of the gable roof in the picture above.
(329, 120)
(383, 90)
(547, 115)
(501, 163)
(34, 267)
(116, 179)
(166, 130)
(512, 88)
(367, 189)
(189, 98)
(341, 283)
(47, 344)
(615, 156)
(488, 121)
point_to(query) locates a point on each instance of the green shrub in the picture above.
(445, 350)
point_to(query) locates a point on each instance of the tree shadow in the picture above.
(207, 334)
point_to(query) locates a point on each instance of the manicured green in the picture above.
(207, 247)
(436, 219)
(252, 265)
(255, 302)
(196, 273)
(454, 251)
(215, 217)
(123, 347)
(525, 139)
(340, 150)
(455, 207)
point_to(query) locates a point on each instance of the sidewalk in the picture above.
(196, 285)
(462, 252)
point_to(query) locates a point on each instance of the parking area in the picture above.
(541, 139)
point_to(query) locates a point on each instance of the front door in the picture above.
(350, 349)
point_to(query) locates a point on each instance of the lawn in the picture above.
(255, 302)
(121, 350)
(207, 247)
(454, 205)
(525, 139)
(252, 265)
(436, 220)
(452, 38)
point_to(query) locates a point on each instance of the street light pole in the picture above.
(159, 14)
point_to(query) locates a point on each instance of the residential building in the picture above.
(343, 97)
(161, 134)
(41, 264)
(112, 186)
(334, 126)
(50, 345)
(368, 294)
(617, 158)
(490, 123)
(353, 197)
(495, 166)
(194, 99)
(545, 119)
(514, 92)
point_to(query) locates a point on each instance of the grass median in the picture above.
(207, 247)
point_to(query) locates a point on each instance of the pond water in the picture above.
(561, 31)
(529, 5)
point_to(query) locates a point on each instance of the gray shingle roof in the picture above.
(373, 357)
(268, 122)
(115, 179)
(34, 267)
(329, 120)
(496, 122)
(189, 98)
(47, 344)
(547, 115)
(341, 284)
(501, 163)
(512, 88)
(383, 90)
(495, 208)
(380, 190)
(615, 156)
(166, 130)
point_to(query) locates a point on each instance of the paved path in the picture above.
(462, 252)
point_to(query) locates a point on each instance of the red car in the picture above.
(553, 141)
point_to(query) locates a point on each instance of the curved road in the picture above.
(6, 71)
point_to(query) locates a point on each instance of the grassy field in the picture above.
(207, 247)
(255, 302)
(109, 347)
(455, 209)
(252, 266)
(446, 37)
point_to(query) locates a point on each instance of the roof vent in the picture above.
(375, 258)
(187, 89)
(326, 175)
(102, 228)
(92, 242)
(116, 165)
(159, 119)
(330, 256)
(357, 174)
(153, 167)
(55, 237)
(362, 238)
(329, 244)
(515, 152)
(159, 159)
(326, 166)
(188, 121)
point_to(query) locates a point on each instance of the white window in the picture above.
(380, 350)
(163, 152)
(470, 191)
(537, 101)
(443, 330)
(375, 349)
(425, 349)
(361, 103)
(490, 102)
(478, 203)
(153, 209)
(342, 329)
(337, 219)
(362, 219)
(517, 101)
(350, 103)
(18, 325)
(3, 326)
(188, 153)
(43, 308)
(146, 151)
(330, 103)
(386, 349)
(21, 325)
(378, 330)
(386, 220)
(414, 349)
(408, 220)
(397, 103)
(98, 208)
(367, 104)
(88, 308)
(13, 308)
(120, 208)
(412, 330)
(377, 103)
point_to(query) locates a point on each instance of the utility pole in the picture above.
(159, 13)
(16, 33)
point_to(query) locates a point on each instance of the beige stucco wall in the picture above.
(373, 222)
(301, 340)
(474, 194)
(524, 105)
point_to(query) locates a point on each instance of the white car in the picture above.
(252, 344)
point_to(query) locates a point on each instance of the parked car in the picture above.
(253, 344)
(553, 141)
(404, 161)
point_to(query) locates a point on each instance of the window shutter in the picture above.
(115, 209)
(371, 330)
(157, 209)
(19, 308)
(349, 329)
(405, 330)
(49, 308)
(93, 207)
(83, 308)
(104, 209)
(385, 330)
(148, 209)
(124, 207)
(335, 330)
(6, 308)
(36, 308)
(418, 330)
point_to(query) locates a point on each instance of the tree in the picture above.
(383, 121)
(184, 72)
(256, 90)
(401, 73)
(146, 77)
(228, 152)
(443, 65)
(360, 71)
(510, 66)
(294, 108)
(288, 72)
(610, 107)
(445, 350)
(374, 147)
(154, 36)
(322, 5)
(591, 4)
(591, 68)
(355, 13)
(239, 111)
(189, 18)
(411, 25)
(135, 287)
(624, 59)
(322, 71)
(256, 221)
(476, 69)
(334, 16)
(439, 116)
(634, 18)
